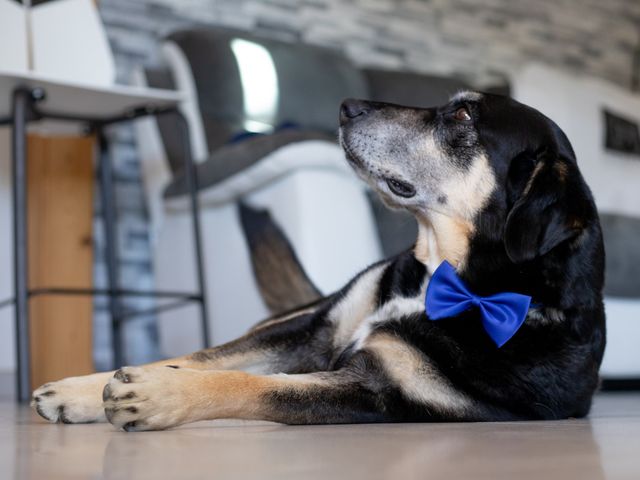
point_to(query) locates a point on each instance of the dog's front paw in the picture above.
(151, 398)
(71, 400)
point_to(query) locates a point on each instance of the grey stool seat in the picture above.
(236, 157)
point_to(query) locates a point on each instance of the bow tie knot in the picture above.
(502, 313)
(476, 301)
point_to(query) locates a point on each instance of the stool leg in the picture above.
(21, 106)
(191, 177)
(107, 199)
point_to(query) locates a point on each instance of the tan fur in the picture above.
(412, 372)
(534, 174)
(255, 361)
(562, 170)
(468, 191)
(284, 317)
(81, 397)
(445, 234)
(442, 238)
(157, 397)
(423, 248)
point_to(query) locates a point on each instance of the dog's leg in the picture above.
(387, 381)
(295, 343)
(159, 397)
(284, 344)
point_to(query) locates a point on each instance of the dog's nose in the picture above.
(351, 109)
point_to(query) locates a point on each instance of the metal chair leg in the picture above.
(191, 177)
(22, 99)
(110, 242)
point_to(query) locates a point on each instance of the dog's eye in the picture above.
(462, 115)
(402, 189)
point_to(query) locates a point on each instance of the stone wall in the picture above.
(479, 39)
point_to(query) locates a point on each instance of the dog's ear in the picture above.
(541, 216)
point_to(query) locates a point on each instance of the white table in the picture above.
(84, 101)
(26, 97)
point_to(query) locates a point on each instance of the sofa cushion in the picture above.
(621, 234)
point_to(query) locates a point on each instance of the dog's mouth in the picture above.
(352, 158)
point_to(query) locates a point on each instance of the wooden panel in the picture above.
(60, 209)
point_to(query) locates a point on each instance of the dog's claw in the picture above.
(123, 377)
(129, 426)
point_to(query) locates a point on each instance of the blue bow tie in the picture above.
(448, 296)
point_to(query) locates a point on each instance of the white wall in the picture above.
(575, 103)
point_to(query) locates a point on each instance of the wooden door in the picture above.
(60, 214)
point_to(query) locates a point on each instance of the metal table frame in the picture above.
(24, 110)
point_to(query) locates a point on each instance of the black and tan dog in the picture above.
(496, 190)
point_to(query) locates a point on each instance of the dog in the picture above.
(495, 188)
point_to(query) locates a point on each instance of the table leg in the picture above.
(21, 105)
(107, 199)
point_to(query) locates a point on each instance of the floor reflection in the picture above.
(33, 449)
(523, 451)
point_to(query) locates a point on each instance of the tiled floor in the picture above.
(606, 446)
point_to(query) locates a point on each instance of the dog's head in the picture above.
(481, 166)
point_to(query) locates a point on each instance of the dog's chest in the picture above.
(360, 309)
(395, 310)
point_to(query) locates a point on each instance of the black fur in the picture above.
(404, 277)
